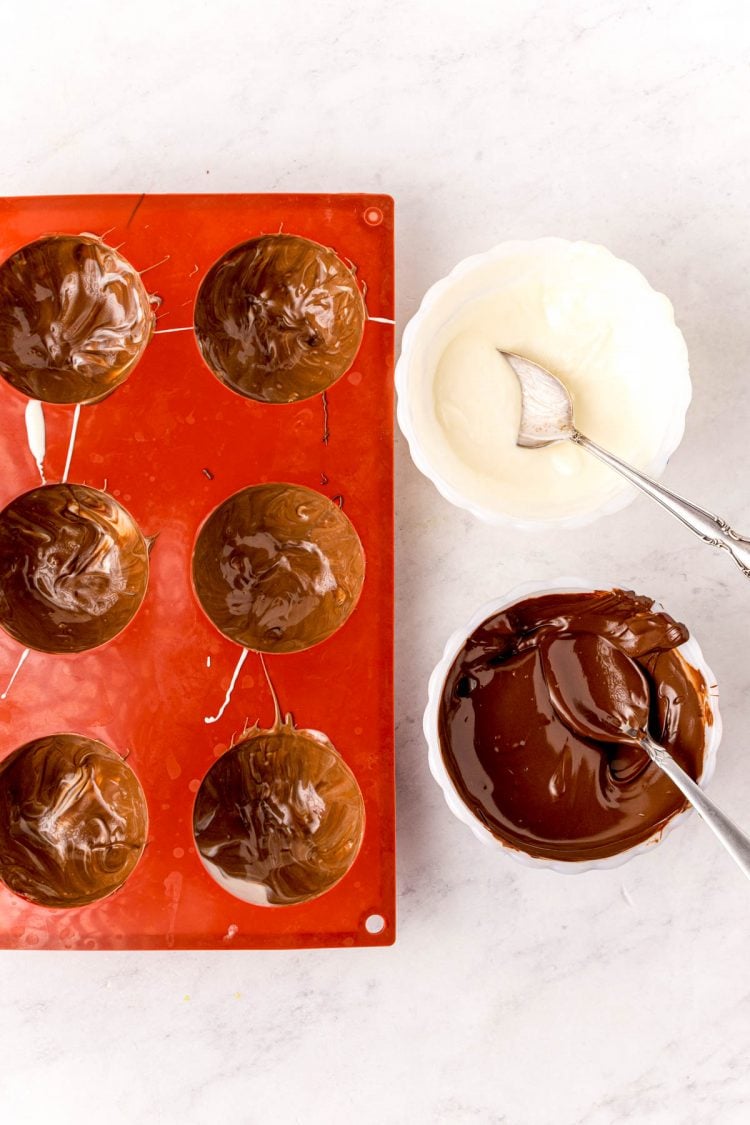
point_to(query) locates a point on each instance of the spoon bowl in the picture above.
(613, 706)
(546, 405)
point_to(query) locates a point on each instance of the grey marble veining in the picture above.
(512, 996)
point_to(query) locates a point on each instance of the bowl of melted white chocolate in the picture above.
(587, 316)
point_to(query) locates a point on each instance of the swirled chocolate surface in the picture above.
(279, 318)
(75, 319)
(534, 718)
(73, 821)
(73, 568)
(279, 818)
(278, 567)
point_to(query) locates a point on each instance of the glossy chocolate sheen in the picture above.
(598, 691)
(279, 818)
(279, 318)
(278, 567)
(75, 319)
(73, 821)
(534, 717)
(73, 568)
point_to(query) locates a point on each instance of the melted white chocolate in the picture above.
(593, 321)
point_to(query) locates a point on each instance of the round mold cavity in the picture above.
(73, 821)
(75, 319)
(279, 318)
(278, 567)
(279, 818)
(73, 568)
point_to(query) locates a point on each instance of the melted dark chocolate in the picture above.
(75, 319)
(278, 567)
(596, 689)
(279, 818)
(279, 318)
(73, 568)
(534, 718)
(73, 821)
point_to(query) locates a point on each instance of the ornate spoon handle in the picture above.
(712, 529)
(736, 842)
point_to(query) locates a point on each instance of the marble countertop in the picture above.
(512, 995)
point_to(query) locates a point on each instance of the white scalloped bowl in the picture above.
(475, 278)
(690, 651)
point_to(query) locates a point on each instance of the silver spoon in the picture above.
(618, 713)
(547, 417)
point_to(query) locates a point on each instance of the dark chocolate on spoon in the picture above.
(598, 691)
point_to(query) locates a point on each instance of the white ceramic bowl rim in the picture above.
(673, 433)
(691, 652)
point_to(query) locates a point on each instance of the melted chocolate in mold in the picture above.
(326, 424)
(278, 567)
(529, 720)
(73, 821)
(279, 318)
(73, 568)
(75, 318)
(279, 818)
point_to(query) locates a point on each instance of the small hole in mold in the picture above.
(375, 924)
(373, 216)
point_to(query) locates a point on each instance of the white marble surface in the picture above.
(512, 995)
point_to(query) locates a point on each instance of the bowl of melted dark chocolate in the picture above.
(73, 821)
(75, 319)
(279, 818)
(73, 568)
(512, 751)
(279, 318)
(278, 567)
